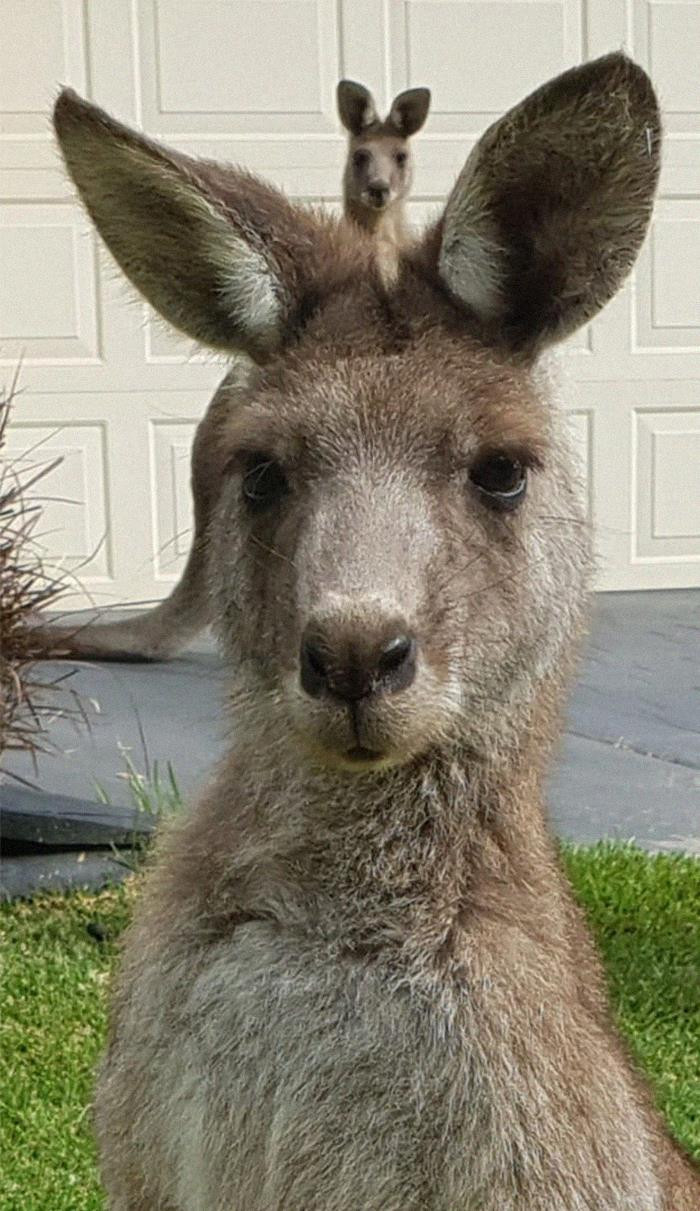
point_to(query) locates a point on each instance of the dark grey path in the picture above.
(629, 766)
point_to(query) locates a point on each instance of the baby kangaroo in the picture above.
(358, 979)
(376, 183)
(379, 170)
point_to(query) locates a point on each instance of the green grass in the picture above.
(52, 1017)
(645, 912)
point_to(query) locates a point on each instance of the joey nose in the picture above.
(350, 667)
(378, 194)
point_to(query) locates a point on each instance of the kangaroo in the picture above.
(376, 183)
(357, 977)
(379, 170)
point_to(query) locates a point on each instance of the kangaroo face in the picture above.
(399, 553)
(380, 170)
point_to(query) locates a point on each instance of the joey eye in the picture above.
(360, 159)
(500, 478)
(264, 483)
(401, 157)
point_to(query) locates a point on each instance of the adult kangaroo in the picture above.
(376, 183)
(357, 977)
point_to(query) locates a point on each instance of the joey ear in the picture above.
(356, 107)
(552, 205)
(409, 111)
(222, 256)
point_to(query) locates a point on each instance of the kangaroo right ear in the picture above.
(550, 209)
(221, 255)
(356, 107)
(409, 111)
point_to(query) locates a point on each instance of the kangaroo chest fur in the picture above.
(294, 1078)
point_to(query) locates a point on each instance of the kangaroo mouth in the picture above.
(358, 753)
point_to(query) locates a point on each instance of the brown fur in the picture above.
(362, 980)
(166, 629)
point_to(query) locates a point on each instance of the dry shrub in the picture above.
(28, 700)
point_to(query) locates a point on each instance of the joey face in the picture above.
(379, 171)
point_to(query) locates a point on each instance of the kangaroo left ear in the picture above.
(409, 111)
(221, 255)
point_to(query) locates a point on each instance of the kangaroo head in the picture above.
(398, 557)
(379, 167)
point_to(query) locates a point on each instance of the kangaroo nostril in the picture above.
(396, 665)
(313, 667)
(315, 658)
(396, 653)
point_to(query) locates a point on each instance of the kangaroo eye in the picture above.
(401, 157)
(360, 159)
(500, 479)
(264, 483)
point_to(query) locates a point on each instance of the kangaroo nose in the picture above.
(378, 194)
(354, 667)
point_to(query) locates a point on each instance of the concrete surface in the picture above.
(629, 765)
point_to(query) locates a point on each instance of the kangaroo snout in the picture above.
(352, 661)
(378, 193)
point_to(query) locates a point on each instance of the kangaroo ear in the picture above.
(409, 111)
(550, 209)
(356, 107)
(222, 256)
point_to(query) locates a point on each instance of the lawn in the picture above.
(644, 910)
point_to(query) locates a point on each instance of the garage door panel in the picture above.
(665, 37)
(50, 301)
(115, 510)
(243, 66)
(668, 277)
(253, 82)
(69, 466)
(171, 442)
(442, 41)
(163, 346)
(644, 465)
(581, 429)
(42, 42)
(666, 462)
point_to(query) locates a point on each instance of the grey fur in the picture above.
(362, 981)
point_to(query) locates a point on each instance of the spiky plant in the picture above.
(27, 700)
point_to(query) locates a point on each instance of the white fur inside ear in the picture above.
(369, 113)
(470, 265)
(471, 256)
(249, 291)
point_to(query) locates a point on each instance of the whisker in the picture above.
(503, 579)
(576, 521)
(272, 551)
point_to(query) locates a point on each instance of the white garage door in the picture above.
(253, 81)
